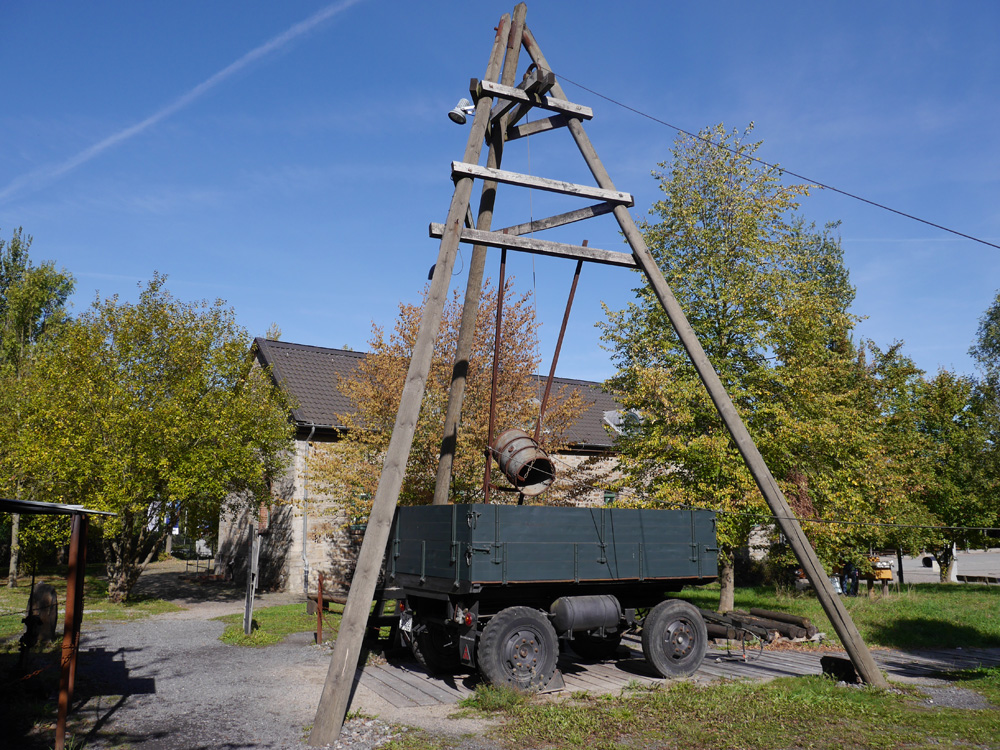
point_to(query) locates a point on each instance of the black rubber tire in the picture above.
(674, 638)
(436, 650)
(594, 647)
(518, 649)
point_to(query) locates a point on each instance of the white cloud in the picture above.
(47, 174)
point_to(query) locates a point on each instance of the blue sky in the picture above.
(288, 157)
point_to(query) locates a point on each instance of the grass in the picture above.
(926, 615)
(273, 624)
(792, 712)
(97, 606)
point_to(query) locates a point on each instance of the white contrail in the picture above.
(45, 175)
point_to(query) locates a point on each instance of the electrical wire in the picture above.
(781, 169)
(581, 484)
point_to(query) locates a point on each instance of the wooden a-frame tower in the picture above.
(499, 108)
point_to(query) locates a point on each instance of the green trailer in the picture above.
(496, 587)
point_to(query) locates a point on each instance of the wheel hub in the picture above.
(521, 652)
(679, 639)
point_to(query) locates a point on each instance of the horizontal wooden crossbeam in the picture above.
(489, 88)
(539, 247)
(462, 169)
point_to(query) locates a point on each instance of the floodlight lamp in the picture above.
(461, 110)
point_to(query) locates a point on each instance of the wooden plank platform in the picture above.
(407, 684)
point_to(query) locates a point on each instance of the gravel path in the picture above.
(168, 683)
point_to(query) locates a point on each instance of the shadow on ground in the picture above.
(171, 581)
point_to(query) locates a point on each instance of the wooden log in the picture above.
(768, 614)
(722, 631)
(783, 628)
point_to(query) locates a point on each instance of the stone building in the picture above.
(305, 536)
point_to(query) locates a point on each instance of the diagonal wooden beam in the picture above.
(839, 616)
(550, 222)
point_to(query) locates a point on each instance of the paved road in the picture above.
(969, 563)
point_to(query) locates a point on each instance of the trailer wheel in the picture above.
(674, 638)
(594, 647)
(435, 650)
(518, 648)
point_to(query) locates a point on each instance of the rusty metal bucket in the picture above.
(526, 465)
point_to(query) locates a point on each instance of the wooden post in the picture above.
(347, 650)
(834, 608)
(474, 286)
(71, 628)
(319, 610)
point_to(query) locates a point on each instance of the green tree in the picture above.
(32, 304)
(349, 469)
(986, 394)
(149, 410)
(769, 297)
(963, 495)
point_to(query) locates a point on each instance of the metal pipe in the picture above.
(555, 357)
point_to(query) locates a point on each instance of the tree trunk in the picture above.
(727, 584)
(945, 559)
(15, 550)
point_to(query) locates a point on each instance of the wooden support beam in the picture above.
(540, 225)
(336, 694)
(537, 126)
(840, 618)
(473, 289)
(555, 104)
(539, 247)
(465, 169)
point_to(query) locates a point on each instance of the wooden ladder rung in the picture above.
(462, 169)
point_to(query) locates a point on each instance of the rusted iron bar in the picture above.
(555, 357)
(496, 373)
(71, 628)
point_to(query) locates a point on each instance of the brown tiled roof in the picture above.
(310, 374)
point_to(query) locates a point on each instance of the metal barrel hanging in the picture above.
(523, 462)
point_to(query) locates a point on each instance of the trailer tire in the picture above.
(674, 638)
(518, 649)
(435, 650)
(594, 647)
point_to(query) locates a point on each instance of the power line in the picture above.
(781, 169)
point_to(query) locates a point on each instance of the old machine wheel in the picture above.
(595, 647)
(435, 650)
(674, 638)
(518, 648)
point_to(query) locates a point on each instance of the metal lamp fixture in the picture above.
(461, 110)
